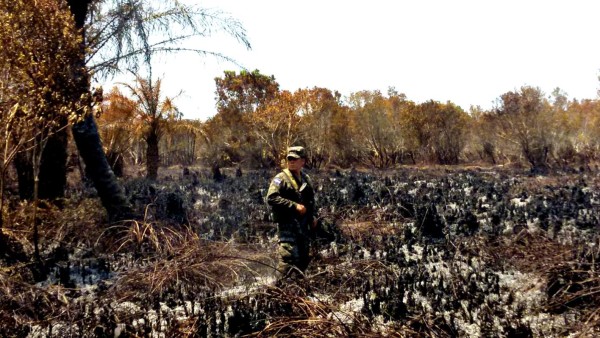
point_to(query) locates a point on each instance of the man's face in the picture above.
(295, 164)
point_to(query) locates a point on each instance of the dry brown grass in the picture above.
(297, 314)
(364, 226)
(527, 252)
(184, 259)
(358, 230)
(143, 237)
(76, 223)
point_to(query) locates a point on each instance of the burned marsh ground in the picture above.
(439, 252)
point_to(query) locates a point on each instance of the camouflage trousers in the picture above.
(294, 257)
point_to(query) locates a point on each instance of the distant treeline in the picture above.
(256, 121)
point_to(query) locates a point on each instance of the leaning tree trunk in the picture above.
(97, 168)
(87, 138)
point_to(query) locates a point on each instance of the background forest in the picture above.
(256, 121)
(120, 218)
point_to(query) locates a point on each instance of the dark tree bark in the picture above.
(53, 167)
(115, 160)
(87, 137)
(152, 156)
(97, 169)
(24, 166)
(79, 9)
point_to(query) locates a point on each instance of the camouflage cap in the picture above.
(296, 152)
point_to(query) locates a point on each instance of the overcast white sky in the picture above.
(466, 51)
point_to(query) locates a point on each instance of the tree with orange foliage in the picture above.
(320, 110)
(379, 137)
(581, 119)
(527, 122)
(154, 112)
(117, 128)
(437, 131)
(38, 45)
(39, 49)
(274, 126)
(482, 142)
(228, 134)
(180, 142)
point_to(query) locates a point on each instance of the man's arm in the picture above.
(274, 197)
(311, 204)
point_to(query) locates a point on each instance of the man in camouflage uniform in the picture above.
(292, 199)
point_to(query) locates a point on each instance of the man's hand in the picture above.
(301, 209)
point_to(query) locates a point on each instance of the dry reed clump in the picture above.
(292, 312)
(360, 230)
(184, 260)
(142, 238)
(145, 237)
(342, 280)
(531, 252)
(368, 231)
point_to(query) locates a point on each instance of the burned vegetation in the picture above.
(403, 253)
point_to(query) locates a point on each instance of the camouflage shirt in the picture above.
(284, 193)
